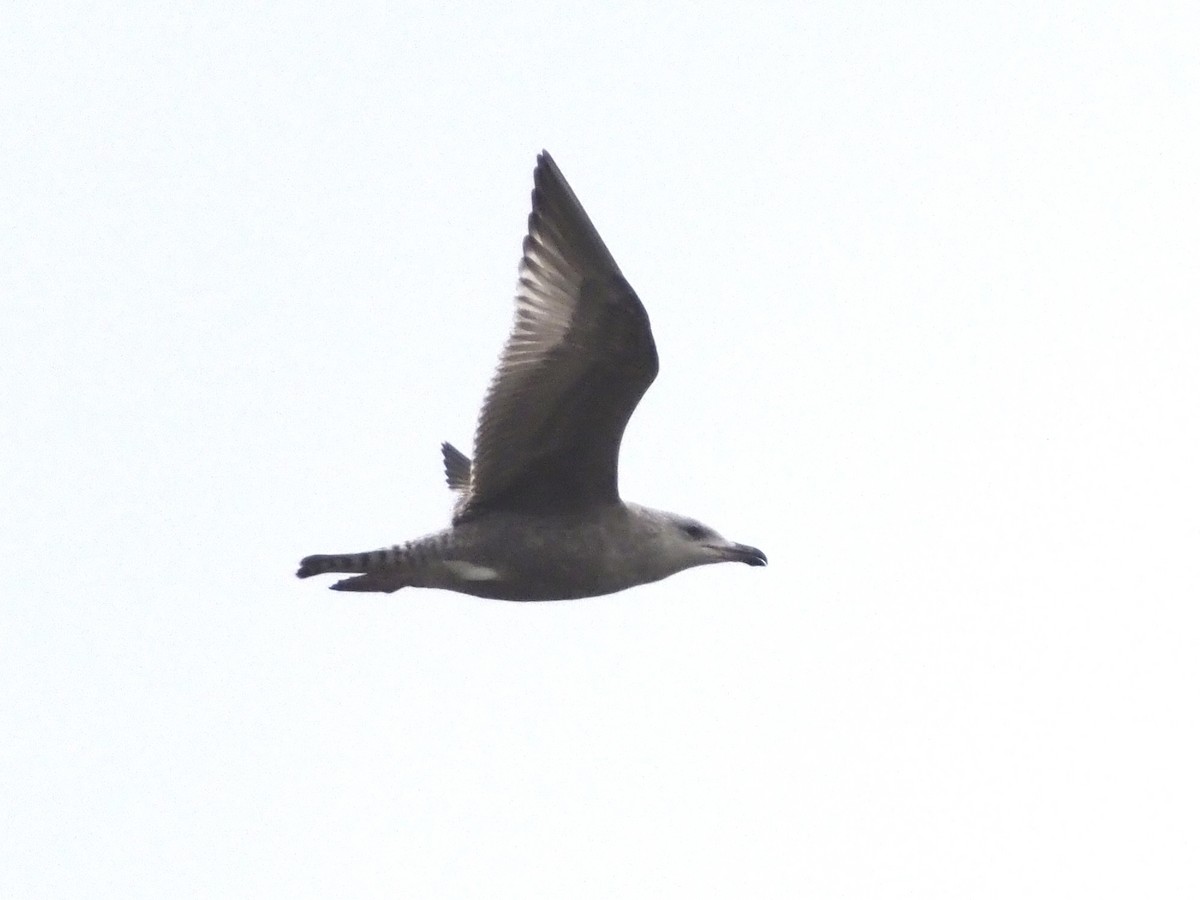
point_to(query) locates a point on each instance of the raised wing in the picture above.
(580, 357)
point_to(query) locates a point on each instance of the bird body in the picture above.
(563, 556)
(538, 514)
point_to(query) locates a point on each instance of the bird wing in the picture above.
(578, 360)
(458, 468)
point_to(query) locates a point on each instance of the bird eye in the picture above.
(694, 531)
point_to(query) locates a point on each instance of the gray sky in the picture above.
(924, 286)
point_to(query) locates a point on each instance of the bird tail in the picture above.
(378, 567)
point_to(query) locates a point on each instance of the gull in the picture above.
(538, 515)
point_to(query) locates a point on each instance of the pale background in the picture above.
(924, 282)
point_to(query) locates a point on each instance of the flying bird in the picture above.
(538, 515)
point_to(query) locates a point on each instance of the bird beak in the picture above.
(751, 556)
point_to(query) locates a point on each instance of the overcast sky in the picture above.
(924, 284)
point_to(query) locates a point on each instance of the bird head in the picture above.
(681, 542)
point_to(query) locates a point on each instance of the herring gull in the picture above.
(538, 515)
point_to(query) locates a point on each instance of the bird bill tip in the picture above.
(751, 556)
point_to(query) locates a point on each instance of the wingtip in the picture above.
(547, 165)
(457, 466)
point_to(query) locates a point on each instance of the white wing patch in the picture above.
(469, 571)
